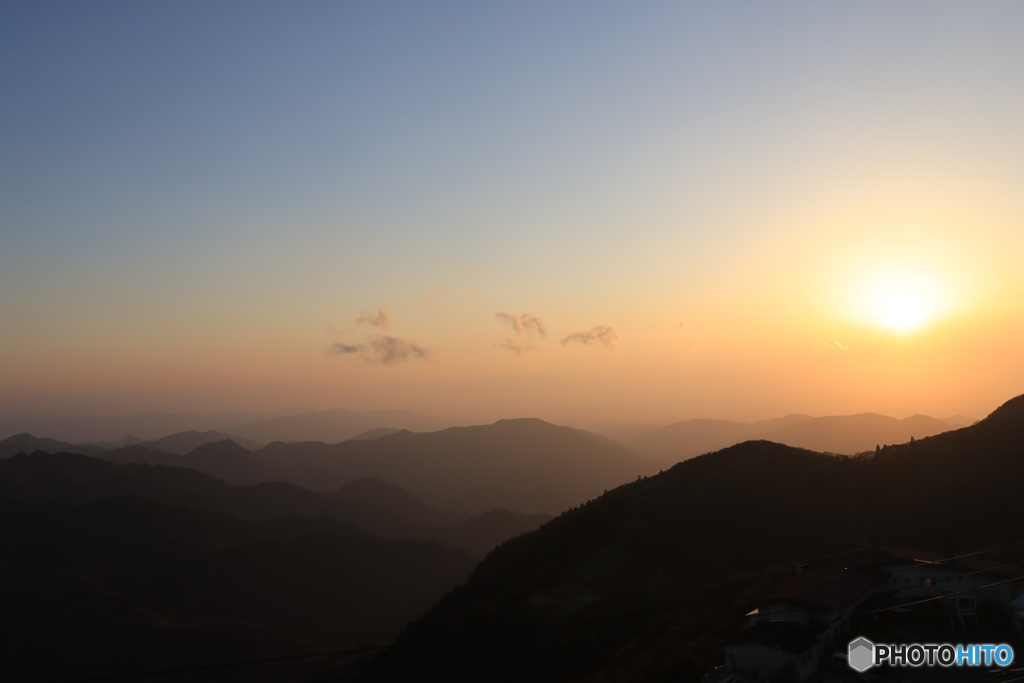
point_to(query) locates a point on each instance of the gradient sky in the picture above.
(740, 210)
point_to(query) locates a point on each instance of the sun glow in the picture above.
(901, 301)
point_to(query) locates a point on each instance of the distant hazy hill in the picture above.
(851, 434)
(374, 433)
(701, 435)
(959, 420)
(223, 459)
(533, 465)
(113, 428)
(26, 443)
(185, 442)
(847, 434)
(397, 501)
(679, 551)
(368, 504)
(682, 440)
(623, 434)
(125, 584)
(335, 426)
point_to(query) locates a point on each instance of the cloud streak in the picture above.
(380, 318)
(523, 324)
(383, 350)
(517, 346)
(599, 334)
(340, 349)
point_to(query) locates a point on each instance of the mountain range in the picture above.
(141, 559)
(844, 434)
(330, 426)
(125, 585)
(125, 568)
(369, 505)
(183, 443)
(645, 582)
(527, 466)
(524, 465)
(335, 426)
(26, 443)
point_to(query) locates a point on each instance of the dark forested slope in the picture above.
(698, 538)
(125, 584)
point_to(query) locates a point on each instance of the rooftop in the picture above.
(829, 588)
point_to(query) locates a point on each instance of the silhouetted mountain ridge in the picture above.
(845, 434)
(700, 536)
(26, 443)
(186, 442)
(374, 434)
(125, 584)
(368, 505)
(396, 500)
(543, 467)
(335, 426)
(224, 459)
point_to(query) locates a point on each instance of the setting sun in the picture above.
(901, 301)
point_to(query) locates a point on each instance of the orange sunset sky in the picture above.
(594, 213)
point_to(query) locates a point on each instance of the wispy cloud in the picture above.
(380, 318)
(517, 346)
(383, 350)
(523, 324)
(340, 349)
(599, 334)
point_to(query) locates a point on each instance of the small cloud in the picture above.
(600, 334)
(389, 350)
(524, 324)
(518, 346)
(341, 349)
(836, 346)
(383, 350)
(380, 318)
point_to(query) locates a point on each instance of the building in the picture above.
(798, 630)
(913, 575)
(797, 624)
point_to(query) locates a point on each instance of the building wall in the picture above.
(913, 584)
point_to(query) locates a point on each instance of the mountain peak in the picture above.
(219, 447)
(1010, 412)
(523, 421)
(24, 436)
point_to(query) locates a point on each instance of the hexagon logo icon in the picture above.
(861, 654)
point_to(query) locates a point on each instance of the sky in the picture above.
(595, 213)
